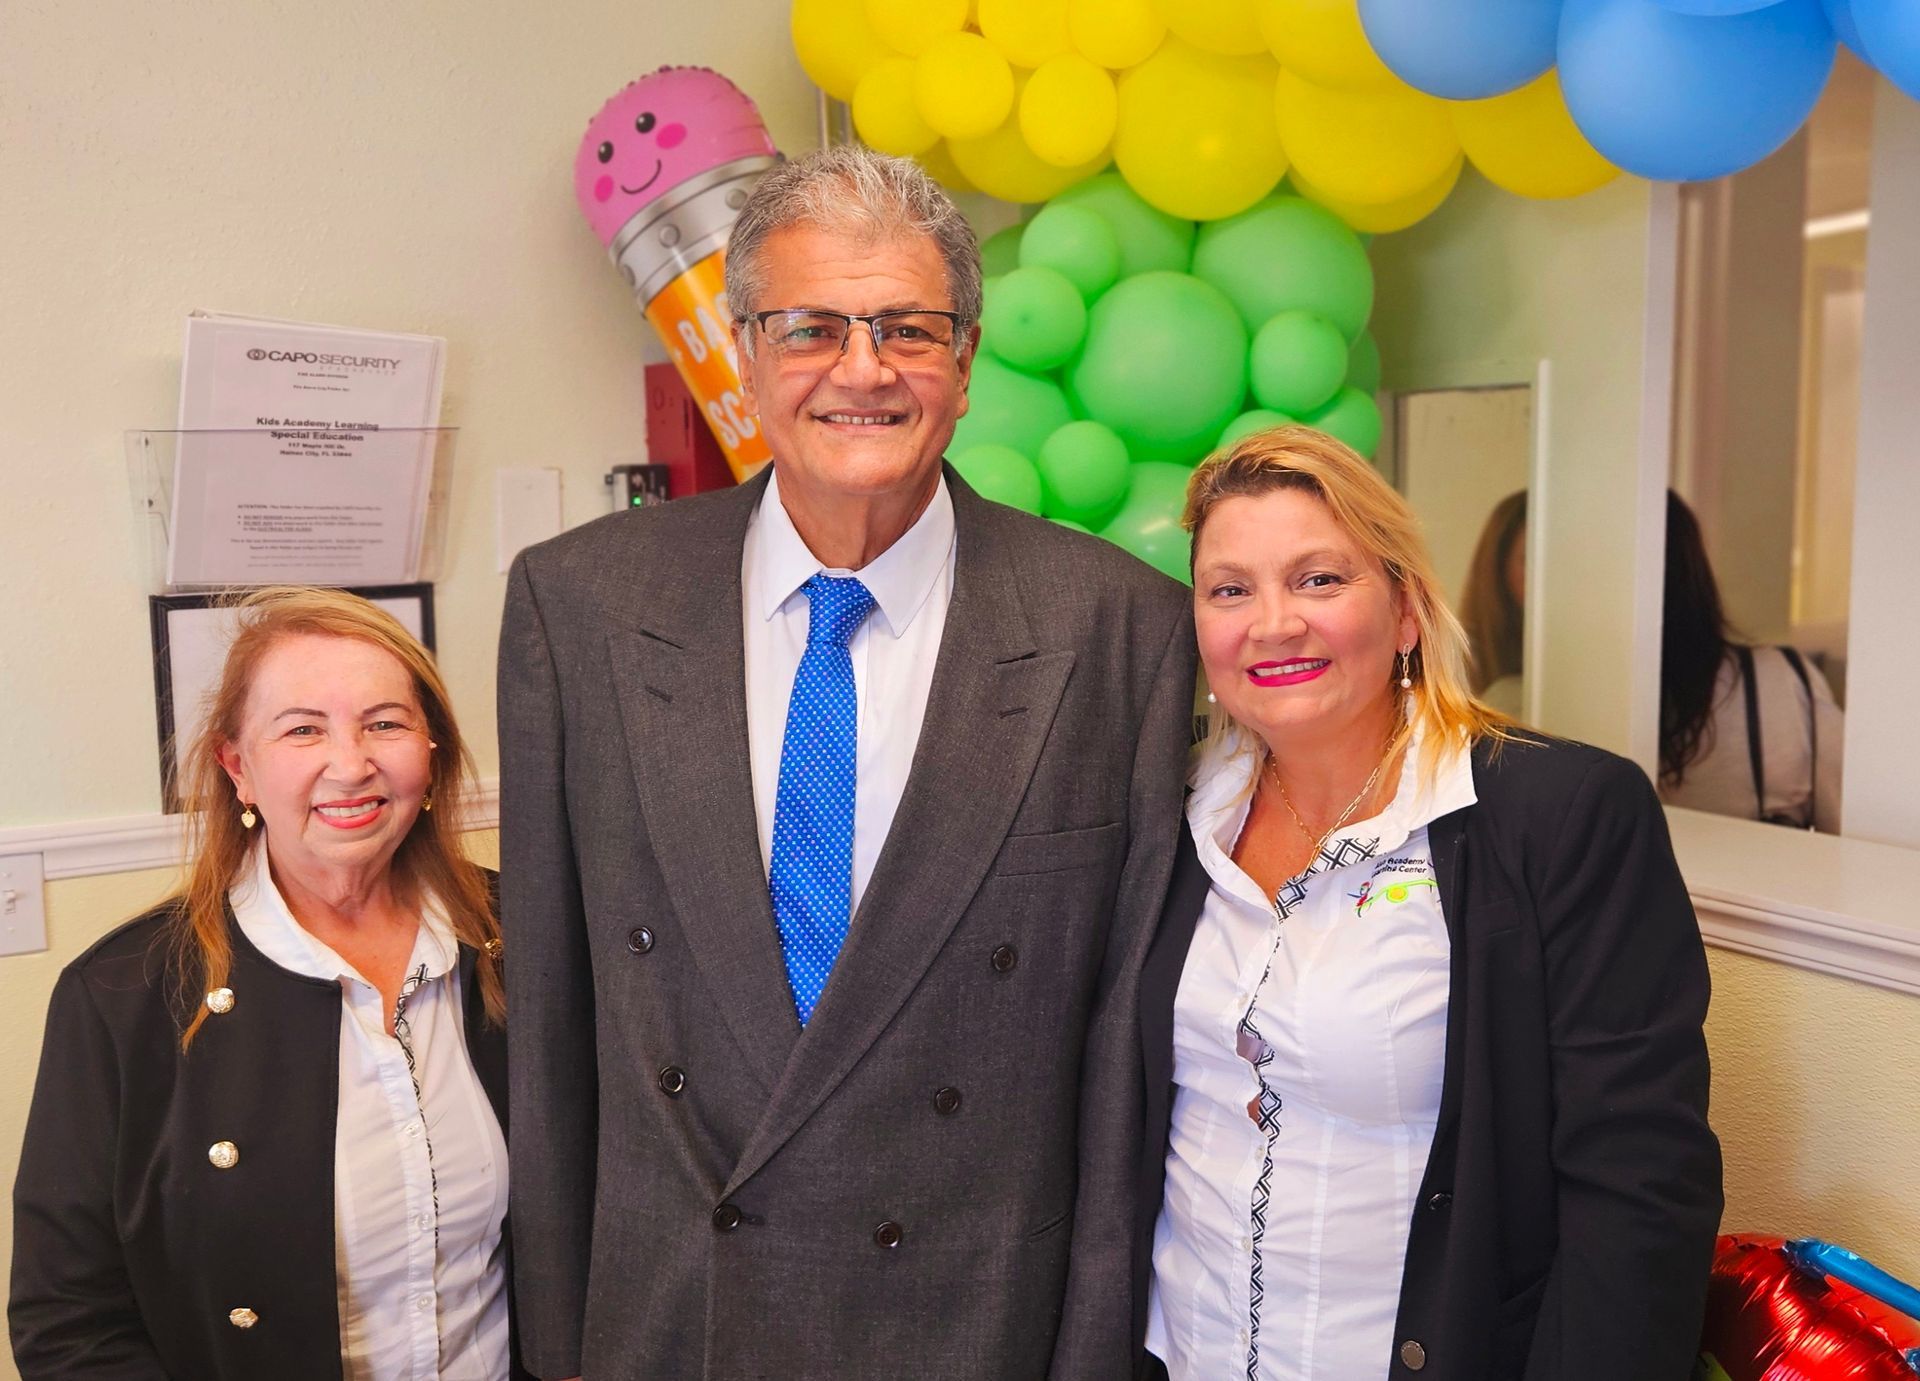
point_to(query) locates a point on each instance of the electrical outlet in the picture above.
(23, 909)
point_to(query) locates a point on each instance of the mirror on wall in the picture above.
(1772, 275)
(1464, 457)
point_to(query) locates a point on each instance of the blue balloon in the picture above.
(1840, 15)
(1714, 6)
(1890, 38)
(1682, 97)
(1462, 50)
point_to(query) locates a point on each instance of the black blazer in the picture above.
(129, 1248)
(1567, 1219)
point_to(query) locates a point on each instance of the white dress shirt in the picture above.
(1280, 1244)
(893, 653)
(420, 1174)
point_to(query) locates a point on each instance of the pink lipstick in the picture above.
(1293, 672)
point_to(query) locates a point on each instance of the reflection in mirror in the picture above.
(1759, 541)
(1464, 456)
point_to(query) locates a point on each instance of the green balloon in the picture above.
(1083, 472)
(1148, 522)
(1035, 319)
(1165, 365)
(1286, 254)
(1249, 422)
(1001, 474)
(1074, 241)
(1149, 237)
(1008, 408)
(1363, 364)
(1352, 417)
(1000, 251)
(1298, 361)
(1072, 526)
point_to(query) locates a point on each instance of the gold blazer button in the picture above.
(220, 1001)
(224, 1155)
(242, 1317)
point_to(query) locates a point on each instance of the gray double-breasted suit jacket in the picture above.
(934, 1179)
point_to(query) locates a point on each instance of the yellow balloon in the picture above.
(1526, 142)
(1115, 33)
(1322, 40)
(835, 44)
(908, 26)
(1385, 217)
(1001, 165)
(1218, 26)
(1365, 146)
(938, 161)
(884, 112)
(963, 86)
(1027, 31)
(1196, 135)
(1068, 110)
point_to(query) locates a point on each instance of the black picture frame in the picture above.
(182, 642)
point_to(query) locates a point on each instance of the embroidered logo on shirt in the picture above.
(1404, 877)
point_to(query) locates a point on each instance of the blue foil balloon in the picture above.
(1682, 97)
(1890, 38)
(1462, 50)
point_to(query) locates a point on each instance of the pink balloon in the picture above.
(656, 133)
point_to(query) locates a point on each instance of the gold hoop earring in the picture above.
(247, 818)
(426, 802)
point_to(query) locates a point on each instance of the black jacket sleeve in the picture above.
(71, 1311)
(1637, 1166)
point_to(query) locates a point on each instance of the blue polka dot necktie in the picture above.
(811, 872)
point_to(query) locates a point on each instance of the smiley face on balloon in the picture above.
(656, 133)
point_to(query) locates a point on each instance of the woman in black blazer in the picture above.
(1386, 886)
(177, 1212)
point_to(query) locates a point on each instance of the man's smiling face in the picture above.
(854, 425)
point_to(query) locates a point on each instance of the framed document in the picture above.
(191, 634)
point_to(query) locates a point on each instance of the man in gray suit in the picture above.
(836, 812)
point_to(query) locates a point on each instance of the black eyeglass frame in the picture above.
(871, 321)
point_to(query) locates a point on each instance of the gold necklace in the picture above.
(1341, 819)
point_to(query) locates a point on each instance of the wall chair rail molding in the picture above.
(132, 843)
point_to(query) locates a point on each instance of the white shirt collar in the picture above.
(269, 925)
(1222, 773)
(899, 579)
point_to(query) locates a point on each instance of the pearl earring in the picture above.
(1212, 699)
(1406, 659)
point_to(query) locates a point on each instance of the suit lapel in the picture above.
(988, 713)
(682, 694)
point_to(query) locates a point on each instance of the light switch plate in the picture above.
(526, 510)
(23, 907)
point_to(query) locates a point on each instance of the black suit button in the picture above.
(726, 1218)
(673, 1080)
(888, 1235)
(947, 1101)
(1439, 1201)
(640, 940)
(1004, 958)
(1412, 1356)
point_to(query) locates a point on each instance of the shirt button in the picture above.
(423, 1222)
(242, 1317)
(726, 1218)
(947, 1101)
(1412, 1356)
(424, 1303)
(1004, 958)
(673, 1081)
(640, 940)
(224, 1155)
(888, 1235)
(413, 1128)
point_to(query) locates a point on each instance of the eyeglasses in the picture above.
(916, 337)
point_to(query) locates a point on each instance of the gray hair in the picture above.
(871, 196)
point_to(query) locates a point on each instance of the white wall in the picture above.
(404, 166)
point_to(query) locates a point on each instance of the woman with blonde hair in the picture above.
(268, 1134)
(1426, 1084)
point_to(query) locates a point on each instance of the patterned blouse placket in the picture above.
(1338, 853)
(404, 1034)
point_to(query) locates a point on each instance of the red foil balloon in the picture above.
(1769, 1320)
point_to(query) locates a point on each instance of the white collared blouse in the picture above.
(420, 1165)
(1282, 1237)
